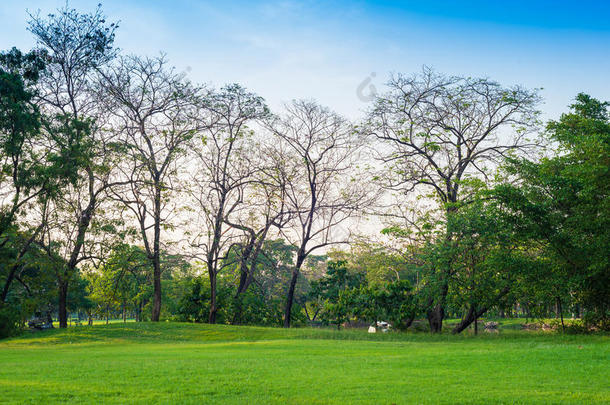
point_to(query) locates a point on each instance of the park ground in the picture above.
(194, 363)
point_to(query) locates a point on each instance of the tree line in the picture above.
(128, 189)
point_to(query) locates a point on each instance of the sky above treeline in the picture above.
(335, 51)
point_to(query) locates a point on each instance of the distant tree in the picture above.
(121, 281)
(399, 304)
(328, 288)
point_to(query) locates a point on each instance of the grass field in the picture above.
(186, 363)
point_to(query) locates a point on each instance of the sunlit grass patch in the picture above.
(191, 363)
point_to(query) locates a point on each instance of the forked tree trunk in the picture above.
(435, 318)
(472, 315)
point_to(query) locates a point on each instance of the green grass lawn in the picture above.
(186, 363)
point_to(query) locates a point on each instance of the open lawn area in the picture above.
(193, 363)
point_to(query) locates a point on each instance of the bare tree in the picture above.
(226, 166)
(156, 111)
(265, 212)
(322, 192)
(438, 132)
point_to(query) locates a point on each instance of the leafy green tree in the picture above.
(195, 304)
(122, 282)
(34, 289)
(561, 203)
(489, 259)
(399, 304)
(327, 289)
(39, 158)
(365, 303)
(392, 302)
(77, 45)
(22, 173)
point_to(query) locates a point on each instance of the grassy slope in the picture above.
(183, 363)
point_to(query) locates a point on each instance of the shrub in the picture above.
(10, 322)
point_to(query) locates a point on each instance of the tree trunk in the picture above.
(250, 254)
(466, 320)
(63, 299)
(290, 297)
(70, 269)
(238, 298)
(213, 308)
(292, 286)
(138, 310)
(156, 308)
(435, 318)
(560, 311)
(476, 323)
(7, 284)
(473, 315)
(437, 313)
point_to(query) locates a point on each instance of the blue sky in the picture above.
(324, 50)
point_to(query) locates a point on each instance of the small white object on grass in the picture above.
(372, 329)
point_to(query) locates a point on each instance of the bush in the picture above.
(599, 319)
(577, 327)
(10, 322)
